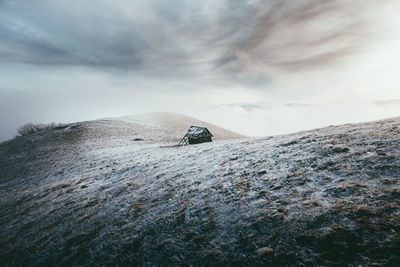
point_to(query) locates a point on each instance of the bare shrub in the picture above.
(30, 128)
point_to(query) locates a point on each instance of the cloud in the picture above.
(298, 105)
(266, 106)
(248, 107)
(232, 41)
(385, 103)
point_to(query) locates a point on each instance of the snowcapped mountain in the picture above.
(88, 193)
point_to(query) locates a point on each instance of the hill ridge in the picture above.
(321, 197)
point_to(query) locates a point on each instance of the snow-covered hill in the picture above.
(90, 195)
(178, 124)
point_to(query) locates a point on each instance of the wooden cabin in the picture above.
(196, 135)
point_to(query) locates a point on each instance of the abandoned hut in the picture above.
(196, 135)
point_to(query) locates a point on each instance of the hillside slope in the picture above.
(178, 124)
(328, 197)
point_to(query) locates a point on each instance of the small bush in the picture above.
(30, 128)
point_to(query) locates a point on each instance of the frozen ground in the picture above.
(90, 195)
(177, 124)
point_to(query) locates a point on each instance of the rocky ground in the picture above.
(91, 194)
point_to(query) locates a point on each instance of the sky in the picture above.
(256, 67)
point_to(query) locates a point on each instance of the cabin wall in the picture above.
(199, 140)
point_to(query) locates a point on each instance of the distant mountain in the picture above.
(92, 193)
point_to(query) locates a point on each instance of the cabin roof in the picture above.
(197, 132)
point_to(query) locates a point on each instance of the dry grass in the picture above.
(91, 196)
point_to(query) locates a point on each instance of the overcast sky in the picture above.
(255, 67)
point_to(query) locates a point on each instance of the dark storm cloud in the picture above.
(234, 40)
(47, 33)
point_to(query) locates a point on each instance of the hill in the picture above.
(178, 124)
(86, 195)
